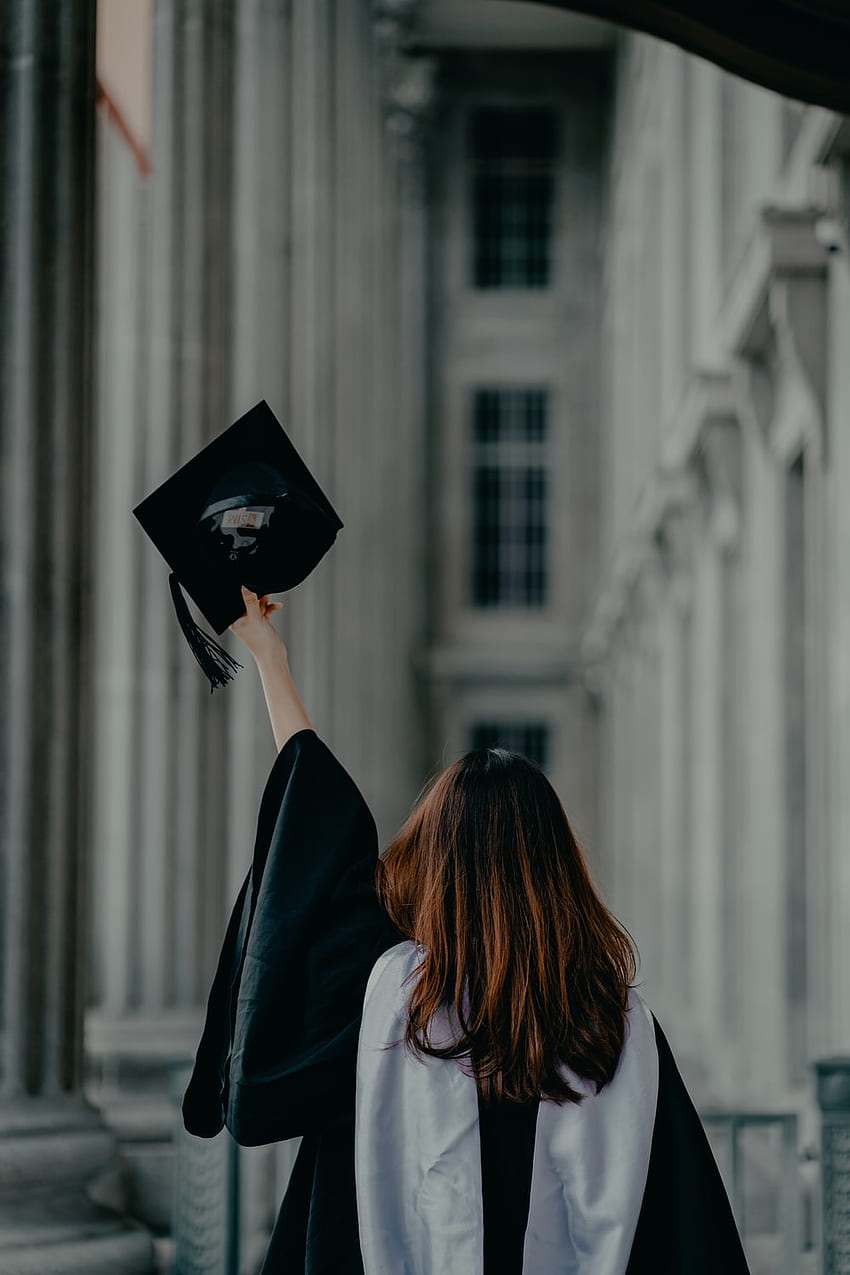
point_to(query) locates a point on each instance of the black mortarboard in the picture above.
(244, 510)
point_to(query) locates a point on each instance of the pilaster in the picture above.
(53, 1144)
(714, 833)
(407, 85)
(675, 537)
(263, 318)
(160, 843)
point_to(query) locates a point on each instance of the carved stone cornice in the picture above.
(407, 78)
(395, 20)
(710, 394)
(835, 144)
(720, 463)
(782, 342)
(675, 538)
(408, 97)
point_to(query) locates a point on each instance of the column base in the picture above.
(129, 1079)
(123, 1252)
(50, 1151)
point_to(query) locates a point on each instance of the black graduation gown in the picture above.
(278, 1052)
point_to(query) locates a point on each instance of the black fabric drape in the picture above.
(277, 1058)
(686, 1225)
(797, 47)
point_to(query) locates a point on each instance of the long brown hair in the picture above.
(486, 875)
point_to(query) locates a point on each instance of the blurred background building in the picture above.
(557, 315)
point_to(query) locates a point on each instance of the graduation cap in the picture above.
(244, 510)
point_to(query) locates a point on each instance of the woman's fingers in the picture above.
(267, 606)
(250, 599)
(255, 605)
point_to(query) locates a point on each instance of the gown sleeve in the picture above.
(686, 1225)
(277, 1055)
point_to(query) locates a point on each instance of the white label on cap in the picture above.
(243, 517)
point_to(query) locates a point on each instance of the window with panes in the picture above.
(510, 497)
(512, 154)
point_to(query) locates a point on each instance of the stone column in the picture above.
(262, 187)
(704, 831)
(674, 751)
(52, 1142)
(310, 345)
(160, 833)
(263, 180)
(407, 93)
(721, 454)
(351, 622)
(706, 160)
(712, 662)
(783, 344)
(374, 574)
(643, 836)
(831, 885)
(628, 849)
(761, 860)
(615, 775)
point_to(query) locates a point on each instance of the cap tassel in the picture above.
(218, 664)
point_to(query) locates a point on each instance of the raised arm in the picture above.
(278, 1051)
(262, 639)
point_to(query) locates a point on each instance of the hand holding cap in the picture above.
(244, 511)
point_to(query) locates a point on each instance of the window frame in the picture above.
(529, 455)
(472, 169)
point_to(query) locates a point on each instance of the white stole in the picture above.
(418, 1161)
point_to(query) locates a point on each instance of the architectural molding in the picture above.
(671, 493)
(519, 663)
(675, 536)
(397, 16)
(834, 152)
(834, 140)
(780, 339)
(720, 462)
(168, 1035)
(620, 597)
(785, 243)
(702, 455)
(798, 320)
(408, 99)
(709, 394)
(407, 79)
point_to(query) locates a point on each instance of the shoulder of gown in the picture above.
(277, 1055)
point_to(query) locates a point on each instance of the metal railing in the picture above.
(759, 1158)
(833, 1091)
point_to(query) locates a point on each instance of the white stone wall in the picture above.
(725, 318)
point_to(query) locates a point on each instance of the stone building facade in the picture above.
(556, 315)
(718, 630)
(516, 165)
